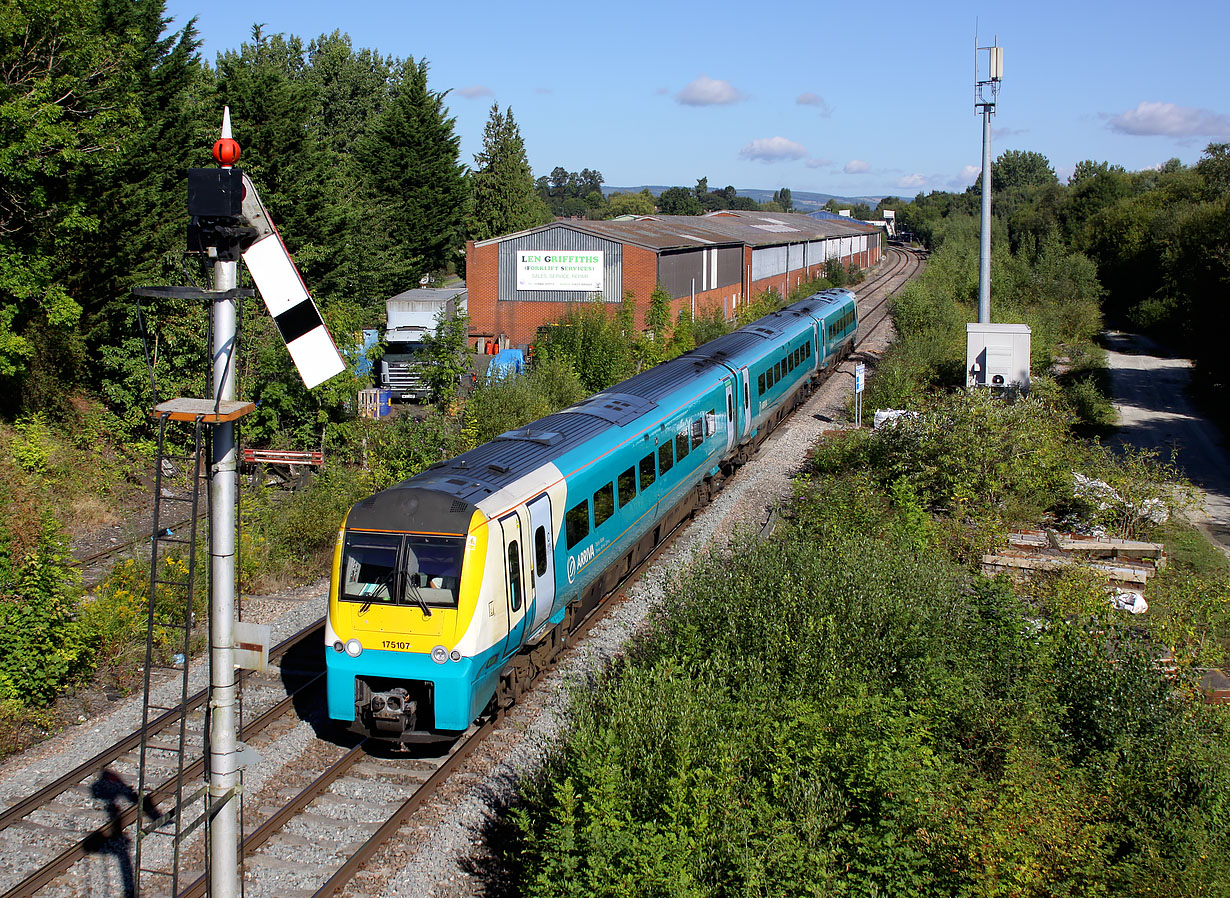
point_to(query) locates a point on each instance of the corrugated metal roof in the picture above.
(659, 232)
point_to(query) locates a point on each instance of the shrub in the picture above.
(43, 647)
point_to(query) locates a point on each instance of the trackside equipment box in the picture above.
(997, 356)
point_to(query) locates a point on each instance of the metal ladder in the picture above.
(161, 808)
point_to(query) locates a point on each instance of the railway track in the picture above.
(313, 824)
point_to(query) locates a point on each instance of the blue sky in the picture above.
(843, 98)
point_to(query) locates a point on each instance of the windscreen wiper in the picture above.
(413, 592)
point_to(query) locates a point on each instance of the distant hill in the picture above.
(804, 201)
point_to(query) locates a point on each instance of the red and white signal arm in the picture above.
(286, 297)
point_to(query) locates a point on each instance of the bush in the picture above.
(43, 646)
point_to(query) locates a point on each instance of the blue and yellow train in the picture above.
(448, 585)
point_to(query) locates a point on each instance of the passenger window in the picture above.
(710, 423)
(647, 472)
(681, 445)
(627, 487)
(760, 385)
(747, 400)
(576, 523)
(666, 458)
(698, 433)
(514, 575)
(730, 407)
(540, 550)
(604, 504)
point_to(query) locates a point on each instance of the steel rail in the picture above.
(59, 864)
(106, 756)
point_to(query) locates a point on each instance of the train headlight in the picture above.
(354, 648)
(338, 646)
(455, 655)
(439, 654)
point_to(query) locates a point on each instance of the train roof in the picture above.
(456, 486)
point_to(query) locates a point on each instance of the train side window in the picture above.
(746, 398)
(698, 433)
(647, 472)
(760, 385)
(730, 407)
(666, 458)
(540, 550)
(604, 504)
(627, 487)
(514, 575)
(682, 447)
(576, 523)
(711, 423)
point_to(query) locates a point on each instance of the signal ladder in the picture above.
(163, 810)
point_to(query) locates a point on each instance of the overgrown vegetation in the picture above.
(845, 709)
(849, 707)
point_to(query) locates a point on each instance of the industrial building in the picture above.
(718, 261)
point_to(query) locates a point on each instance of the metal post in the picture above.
(223, 485)
(223, 489)
(984, 241)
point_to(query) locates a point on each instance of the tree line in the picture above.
(1159, 238)
(103, 107)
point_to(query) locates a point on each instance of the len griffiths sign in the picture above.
(560, 270)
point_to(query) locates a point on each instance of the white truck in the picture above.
(411, 316)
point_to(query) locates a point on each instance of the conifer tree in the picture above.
(414, 186)
(502, 195)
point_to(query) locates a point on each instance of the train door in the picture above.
(542, 557)
(817, 361)
(516, 579)
(730, 414)
(746, 387)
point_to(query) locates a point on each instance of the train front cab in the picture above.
(402, 660)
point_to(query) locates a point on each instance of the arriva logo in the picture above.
(576, 562)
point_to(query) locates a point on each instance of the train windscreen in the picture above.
(401, 569)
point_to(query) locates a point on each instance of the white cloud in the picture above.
(968, 175)
(857, 167)
(811, 99)
(474, 91)
(543, 90)
(706, 91)
(773, 149)
(818, 162)
(1166, 119)
(914, 180)
(1008, 132)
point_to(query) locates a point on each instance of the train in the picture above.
(450, 588)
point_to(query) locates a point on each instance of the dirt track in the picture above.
(1155, 412)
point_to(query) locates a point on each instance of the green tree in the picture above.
(630, 204)
(64, 110)
(414, 184)
(784, 199)
(1214, 167)
(679, 201)
(447, 353)
(502, 197)
(1021, 168)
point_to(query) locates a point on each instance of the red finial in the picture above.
(226, 151)
(226, 148)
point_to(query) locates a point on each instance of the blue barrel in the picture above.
(384, 403)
